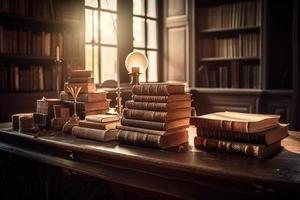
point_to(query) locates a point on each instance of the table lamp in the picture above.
(136, 63)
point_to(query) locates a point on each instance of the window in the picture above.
(101, 38)
(145, 24)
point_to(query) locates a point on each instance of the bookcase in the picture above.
(30, 32)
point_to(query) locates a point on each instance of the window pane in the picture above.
(151, 10)
(89, 65)
(90, 18)
(108, 63)
(143, 75)
(152, 68)
(96, 64)
(109, 4)
(138, 32)
(139, 7)
(91, 3)
(152, 34)
(108, 25)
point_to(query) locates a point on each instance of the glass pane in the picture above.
(109, 4)
(139, 7)
(96, 64)
(108, 63)
(89, 65)
(143, 75)
(138, 32)
(152, 68)
(90, 19)
(152, 33)
(151, 10)
(108, 26)
(91, 3)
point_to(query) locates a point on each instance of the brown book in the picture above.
(85, 87)
(58, 123)
(88, 106)
(151, 131)
(81, 80)
(85, 97)
(60, 111)
(45, 106)
(157, 115)
(156, 125)
(236, 122)
(157, 106)
(154, 141)
(80, 73)
(161, 99)
(256, 150)
(95, 134)
(82, 115)
(15, 119)
(265, 137)
(98, 125)
(102, 118)
(158, 89)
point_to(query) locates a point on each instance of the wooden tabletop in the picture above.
(192, 166)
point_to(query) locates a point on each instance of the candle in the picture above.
(57, 53)
(135, 70)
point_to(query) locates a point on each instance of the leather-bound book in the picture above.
(157, 116)
(154, 141)
(151, 131)
(256, 150)
(158, 89)
(162, 99)
(102, 118)
(88, 106)
(45, 106)
(85, 87)
(236, 122)
(95, 134)
(85, 97)
(265, 137)
(80, 73)
(99, 125)
(81, 80)
(156, 125)
(82, 115)
(58, 123)
(15, 119)
(155, 106)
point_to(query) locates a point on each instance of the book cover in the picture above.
(158, 89)
(151, 131)
(85, 87)
(162, 99)
(80, 73)
(156, 106)
(99, 125)
(102, 118)
(95, 134)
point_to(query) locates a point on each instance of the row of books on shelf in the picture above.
(234, 15)
(240, 46)
(245, 76)
(14, 78)
(27, 42)
(45, 9)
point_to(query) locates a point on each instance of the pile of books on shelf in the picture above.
(157, 117)
(99, 127)
(249, 134)
(89, 101)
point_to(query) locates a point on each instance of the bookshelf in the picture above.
(30, 32)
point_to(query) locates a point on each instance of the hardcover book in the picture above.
(85, 87)
(80, 73)
(102, 118)
(95, 134)
(156, 106)
(158, 89)
(85, 97)
(162, 99)
(81, 80)
(88, 106)
(151, 131)
(99, 125)
(236, 122)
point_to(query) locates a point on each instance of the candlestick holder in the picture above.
(119, 101)
(58, 63)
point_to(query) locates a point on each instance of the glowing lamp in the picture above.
(136, 63)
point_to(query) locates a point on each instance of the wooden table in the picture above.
(190, 174)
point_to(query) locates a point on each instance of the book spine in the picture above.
(139, 98)
(143, 124)
(150, 90)
(146, 106)
(220, 125)
(145, 115)
(92, 125)
(139, 139)
(227, 146)
(141, 130)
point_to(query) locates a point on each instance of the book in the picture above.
(102, 118)
(15, 119)
(85, 97)
(265, 137)
(158, 89)
(95, 134)
(80, 73)
(99, 125)
(81, 80)
(154, 141)
(58, 123)
(256, 150)
(85, 87)
(83, 114)
(88, 106)
(151, 131)
(161, 99)
(156, 125)
(236, 122)
(156, 106)
(157, 115)
(60, 111)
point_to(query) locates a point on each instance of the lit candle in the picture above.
(57, 53)
(135, 70)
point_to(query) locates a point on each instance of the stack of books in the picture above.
(249, 134)
(99, 127)
(89, 101)
(158, 116)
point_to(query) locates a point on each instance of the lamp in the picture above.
(136, 63)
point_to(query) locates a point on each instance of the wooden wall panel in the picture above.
(176, 7)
